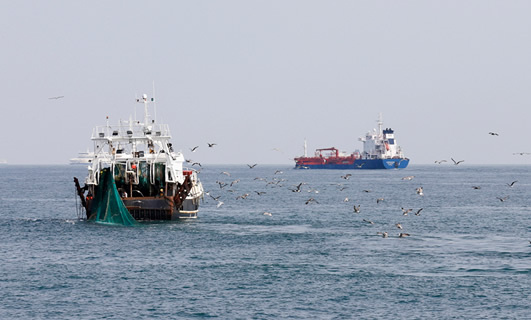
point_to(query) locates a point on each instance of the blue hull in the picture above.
(363, 164)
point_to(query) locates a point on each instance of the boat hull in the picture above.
(161, 209)
(360, 164)
(157, 208)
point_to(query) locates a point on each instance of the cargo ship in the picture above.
(135, 174)
(380, 151)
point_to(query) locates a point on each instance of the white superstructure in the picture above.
(380, 143)
(142, 160)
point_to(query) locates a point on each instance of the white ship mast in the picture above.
(380, 124)
(145, 101)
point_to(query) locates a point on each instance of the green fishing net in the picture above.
(107, 206)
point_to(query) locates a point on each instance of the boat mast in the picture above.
(380, 124)
(144, 100)
(154, 103)
(146, 113)
(305, 148)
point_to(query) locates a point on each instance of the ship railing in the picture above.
(135, 131)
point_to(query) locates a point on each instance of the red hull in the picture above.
(327, 156)
(308, 161)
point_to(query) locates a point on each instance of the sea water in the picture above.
(468, 255)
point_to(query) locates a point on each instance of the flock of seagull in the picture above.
(276, 181)
(228, 188)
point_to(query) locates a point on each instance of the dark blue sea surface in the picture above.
(468, 255)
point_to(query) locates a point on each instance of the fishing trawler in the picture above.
(380, 151)
(135, 173)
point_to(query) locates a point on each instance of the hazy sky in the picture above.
(256, 75)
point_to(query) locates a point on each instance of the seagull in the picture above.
(298, 187)
(267, 214)
(512, 183)
(58, 97)
(440, 161)
(457, 162)
(220, 203)
(405, 212)
(252, 166)
(226, 173)
(243, 196)
(399, 226)
(215, 198)
(278, 171)
(221, 184)
(366, 190)
(357, 209)
(379, 200)
(194, 148)
(234, 182)
(418, 211)
(360, 165)
(521, 153)
(408, 178)
(402, 235)
(346, 199)
(476, 187)
(420, 191)
(493, 134)
(502, 199)
(311, 200)
(384, 234)
(211, 145)
(260, 193)
(368, 221)
(348, 175)
(196, 163)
